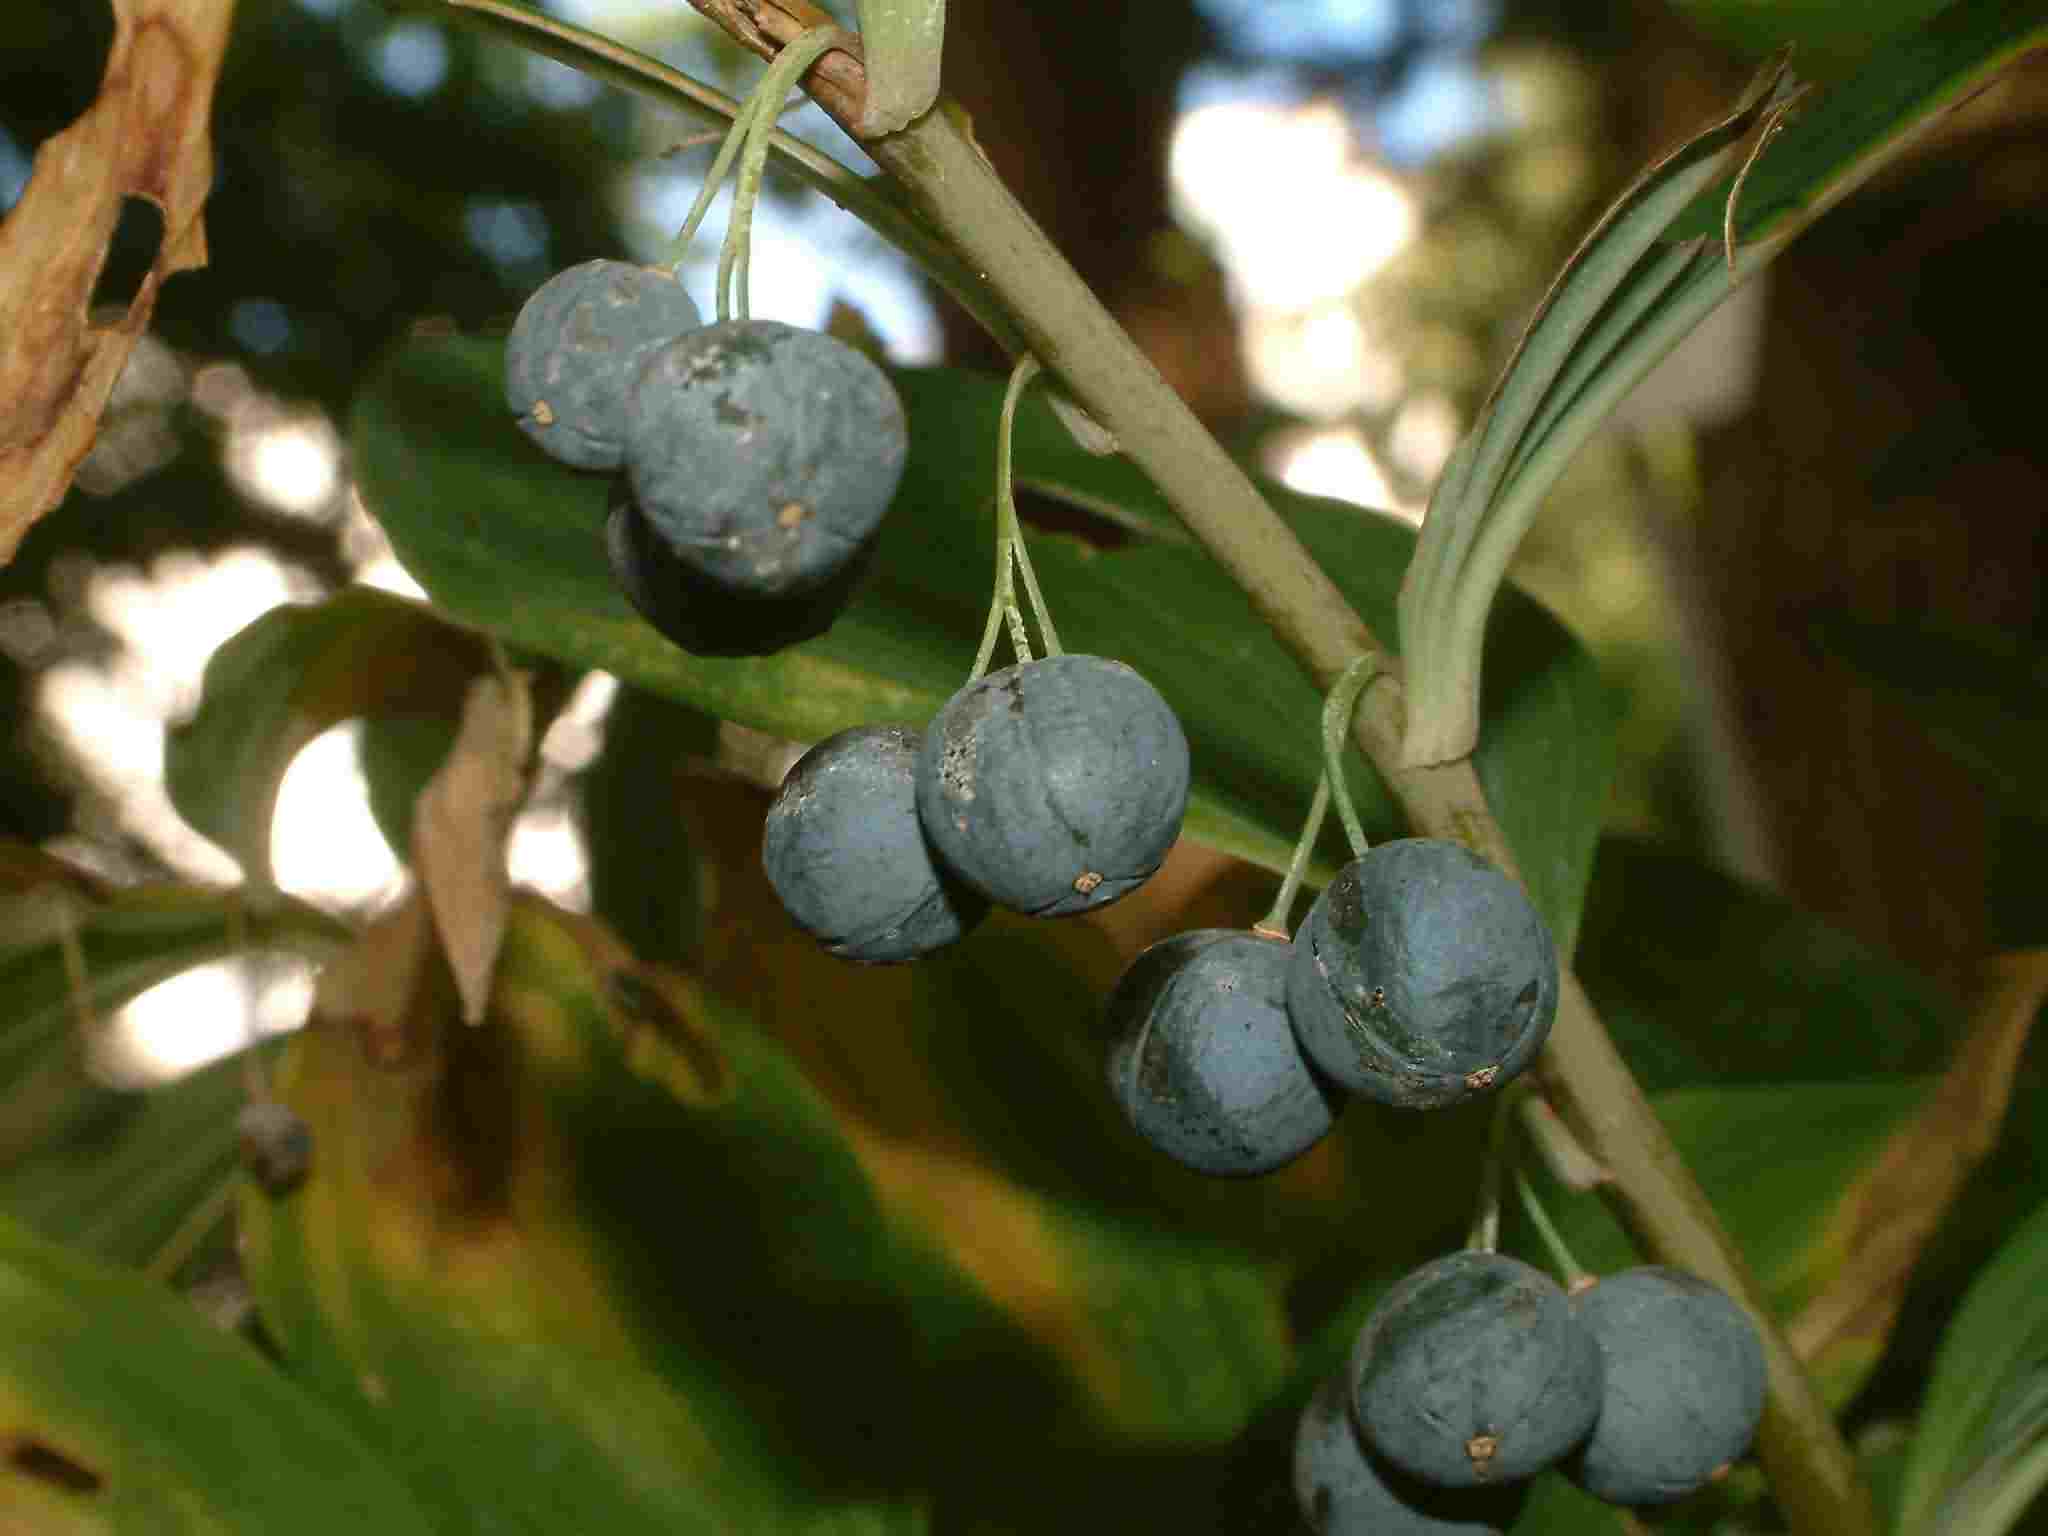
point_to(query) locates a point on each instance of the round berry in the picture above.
(1473, 1370)
(1683, 1386)
(847, 858)
(1422, 976)
(576, 347)
(1346, 1490)
(764, 455)
(700, 615)
(1056, 786)
(1205, 1066)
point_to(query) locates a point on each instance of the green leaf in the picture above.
(521, 554)
(400, 755)
(1982, 695)
(1475, 521)
(286, 678)
(901, 40)
(646, 880)
(1826, 36)
(114, 1172)
(1648, 274)
(1841, 139)
(127, 1412)
(1703, 980)
(1980, 1458)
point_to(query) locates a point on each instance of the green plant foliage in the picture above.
(1834, 141)
(1481, 506)
(127, 1413)
(645, 875)
(1983, 697)
(1827, 37)
(511, 543)
(1981, 1455)
(111, 1171)
(1648, 274)
(1704, 980)
(400, 754)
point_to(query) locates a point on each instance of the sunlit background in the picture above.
(1382, 186)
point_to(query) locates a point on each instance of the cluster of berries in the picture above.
(1052, 787)
(1421, 977)
(1477, 1371)
(753, 460)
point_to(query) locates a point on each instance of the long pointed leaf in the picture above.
(1624, 304)
(1981, 1454)
(1466, 539)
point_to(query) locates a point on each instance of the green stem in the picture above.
(1279, 918)
(1011, 558)
(1485, 1233)
(1337, 708)
(728, 151)
(1569, 1270)
(1006, 500)
(1653, 1193)
(764, 106)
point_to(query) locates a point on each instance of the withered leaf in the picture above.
(146, 136)
(459, 829)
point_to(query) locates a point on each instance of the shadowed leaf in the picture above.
(1980, 1458)
(126, 1412)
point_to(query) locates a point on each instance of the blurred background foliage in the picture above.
(1325, 222)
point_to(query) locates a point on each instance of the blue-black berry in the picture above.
(1683, 1386)
(1055, 786)
(1205, 1065)
(762, 454)
(577, 346)
(844, 851)
(702, 615)
(1474, 1370)
(1422, 976)
(1344, 1489)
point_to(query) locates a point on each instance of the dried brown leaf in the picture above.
(459, 829)
(146, 136)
